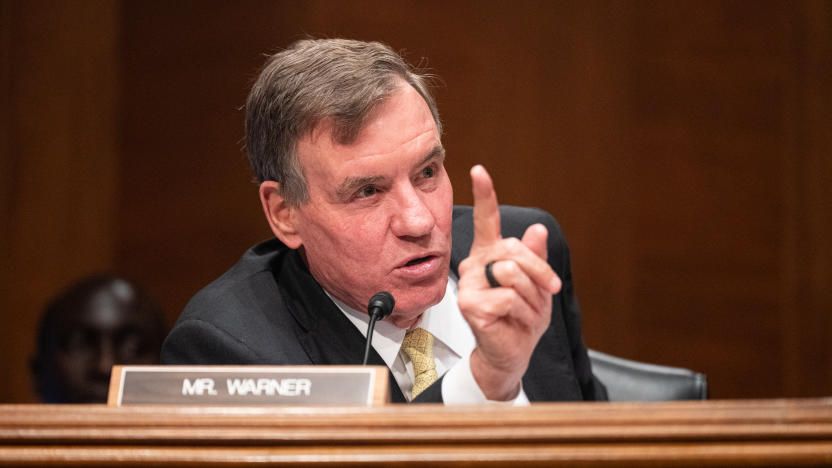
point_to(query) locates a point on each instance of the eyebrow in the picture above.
(437, 152)
(351, 184)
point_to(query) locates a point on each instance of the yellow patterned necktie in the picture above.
(418, 345)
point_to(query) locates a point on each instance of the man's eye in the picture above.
(428, 172)
(367, 191)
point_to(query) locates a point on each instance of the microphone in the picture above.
(380, 306)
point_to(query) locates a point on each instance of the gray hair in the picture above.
(311, 80)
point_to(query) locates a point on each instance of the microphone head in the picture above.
(382, 304)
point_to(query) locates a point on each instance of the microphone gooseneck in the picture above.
(380, 306)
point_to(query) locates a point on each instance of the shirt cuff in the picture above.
(460, 388)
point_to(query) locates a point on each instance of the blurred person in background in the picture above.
(97, 322)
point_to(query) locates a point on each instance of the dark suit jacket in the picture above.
(268, 309)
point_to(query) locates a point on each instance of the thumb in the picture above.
(535, 239)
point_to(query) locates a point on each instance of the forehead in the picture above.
(105, 309)
(400, 125)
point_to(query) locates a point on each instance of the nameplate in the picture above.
(249, 385)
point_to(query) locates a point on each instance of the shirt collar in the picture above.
(443, 320)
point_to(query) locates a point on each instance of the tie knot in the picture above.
(418, 346)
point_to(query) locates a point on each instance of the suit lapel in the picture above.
(326, 335)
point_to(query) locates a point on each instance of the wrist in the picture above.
(495, 383)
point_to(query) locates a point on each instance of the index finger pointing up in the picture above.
(486, 212)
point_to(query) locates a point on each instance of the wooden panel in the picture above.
(684, 146)
(6, 164)
(193, 209)
(807, 197)
(707, 107)
(718, 433)
(59, 163)
(657, 133)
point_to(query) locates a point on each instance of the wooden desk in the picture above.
(714, 433)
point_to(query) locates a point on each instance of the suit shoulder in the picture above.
(240, 314)
(521, 217)
(513, 222)
(235, 288)
(510, 217)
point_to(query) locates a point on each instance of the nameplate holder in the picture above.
(249, 385)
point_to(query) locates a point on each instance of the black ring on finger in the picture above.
(489, 275)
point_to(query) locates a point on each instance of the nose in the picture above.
(106, 357)
(412, 216)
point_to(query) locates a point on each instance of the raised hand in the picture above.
(507, 320)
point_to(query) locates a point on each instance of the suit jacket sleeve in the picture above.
(201, 342)
(591, 387)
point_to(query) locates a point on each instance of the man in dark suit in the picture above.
(345, 140)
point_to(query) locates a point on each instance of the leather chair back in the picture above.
(628, 380)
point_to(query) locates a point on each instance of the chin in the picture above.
(409, 310)
(403, 322)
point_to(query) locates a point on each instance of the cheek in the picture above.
(443, 207)
(71, 369)
(351, 240)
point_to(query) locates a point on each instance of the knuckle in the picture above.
(472, 262)
(466, 282)
(465, 300)
(464, 265)
(513, 245)
(507, 299)
(490, 307)
(510, 268)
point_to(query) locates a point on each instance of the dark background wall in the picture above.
(684, 147)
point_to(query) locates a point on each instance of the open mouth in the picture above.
(417, 261)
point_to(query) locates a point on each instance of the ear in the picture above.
(282, 218)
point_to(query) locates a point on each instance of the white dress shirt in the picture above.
(452, 346)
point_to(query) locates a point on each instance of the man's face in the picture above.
(103, 332)
(379, 211)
